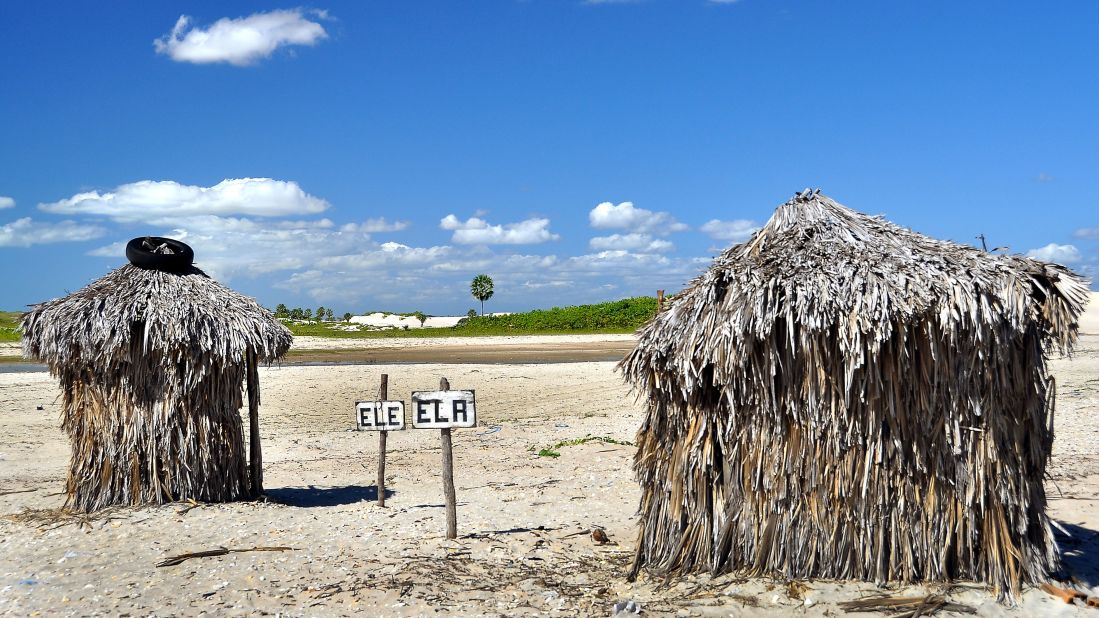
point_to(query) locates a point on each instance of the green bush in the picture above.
(623, 315)
(9, 325)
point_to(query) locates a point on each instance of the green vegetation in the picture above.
(622, 316)
(551, 451)
(297, 313)
(9, 325)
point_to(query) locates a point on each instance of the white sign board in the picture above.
(379, 415)
(443, 409)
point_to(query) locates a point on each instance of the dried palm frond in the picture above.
(840, 397)
(151, 365)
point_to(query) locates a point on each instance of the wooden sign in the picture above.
(379, 415)
(443, 409)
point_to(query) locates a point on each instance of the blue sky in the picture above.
(377, 155)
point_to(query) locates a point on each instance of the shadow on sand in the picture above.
(311, 495)
(1079, 552)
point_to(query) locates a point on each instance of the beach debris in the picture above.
(48, 519)
(625, 607)
(796, 589)
(68, 554)
(191, 503)
(16, 491)
(906, 607)
(1068, 595)
(221, 551)
(600, 536)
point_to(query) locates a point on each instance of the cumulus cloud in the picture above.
(6, 202)
(737, 230)
(26, 232)
(477, 231)
(1087, 233)
(230, 247)
(626, 216)
(1061, 254)
(630, 242)
(242, 41)
(150, 199)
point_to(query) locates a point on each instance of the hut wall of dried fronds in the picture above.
(840, 397)
(151, 366)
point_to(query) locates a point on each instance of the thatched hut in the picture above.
(151, 364)
(840, 397)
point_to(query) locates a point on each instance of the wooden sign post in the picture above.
(382, 416)
(448, 475)
(445, 409)
(383, 394)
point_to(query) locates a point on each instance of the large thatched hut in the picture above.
(841, 397)
(152, 361)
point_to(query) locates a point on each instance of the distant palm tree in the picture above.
(481, 287)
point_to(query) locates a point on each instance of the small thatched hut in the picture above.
(840, 397)
(151, 364)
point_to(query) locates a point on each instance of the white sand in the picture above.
(1089, 322)
(389, 320)
(520, 513)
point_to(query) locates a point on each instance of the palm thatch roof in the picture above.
(152, 365)
(841, 397)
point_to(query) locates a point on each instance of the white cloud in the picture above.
(1087, 233)
(150, 199)
(477, 231)
(630, 242)
(1061, 254)
(228, 247)
(26, 232)
(241, 41)
(6, 202)
(626, 216)
(737, 230)
(375, 226)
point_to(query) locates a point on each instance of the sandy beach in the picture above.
(522, 549)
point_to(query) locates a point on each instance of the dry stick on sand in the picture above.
(221, 551)
(911, 606)
(1068, 595)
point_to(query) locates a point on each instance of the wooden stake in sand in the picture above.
(383, 394)
(443, 410)
(448, 476)
(255, 457)
(382, 416)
